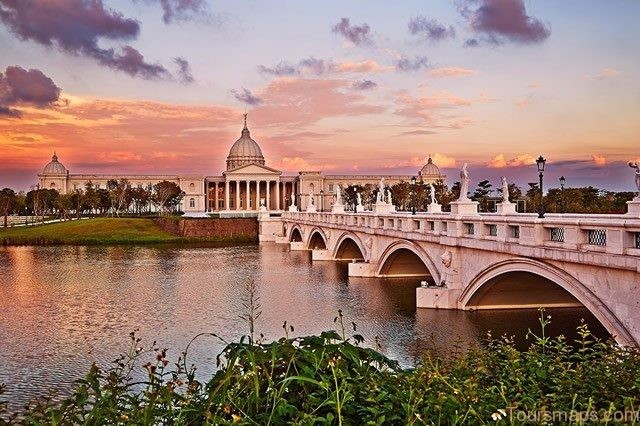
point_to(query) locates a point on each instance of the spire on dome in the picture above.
(55, 157)
(245, 120)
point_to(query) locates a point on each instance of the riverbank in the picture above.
(112, 231)
(331, 379)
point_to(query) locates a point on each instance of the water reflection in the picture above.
(62, 308)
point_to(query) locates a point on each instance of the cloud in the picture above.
(368, 66)
(608, 73)
(301, 101)
(472, 42)
(183, 10)
(184, 72)
(75, 27)
(416, 133)
(245, 96)
(434, 109)
(408, 64)
(21, 87)
(430, 29)
(316, 66)
(452, 72)
(359, 35)
(501, 20)
(438, 159)
(599, 160)
(442, 160)
(296, 164)
(282, 69)
(499, 161)
(364, 85)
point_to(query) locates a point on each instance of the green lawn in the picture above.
(91, 231)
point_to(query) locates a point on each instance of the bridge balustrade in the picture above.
(616, 234)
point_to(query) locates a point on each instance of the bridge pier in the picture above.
(297, 246)
(362, 269)
(320, 254)
(437, 297)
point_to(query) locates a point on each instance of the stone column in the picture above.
(215, 196)
(237, 206)
(257, 195)
(226, 194)
(277, 195)
(267, 203)
(247, 196)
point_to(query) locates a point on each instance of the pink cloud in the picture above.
(452, 72)
(608, 73)
(365, 66)
(599, 160)
(499, 161)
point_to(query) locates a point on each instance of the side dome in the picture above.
(54, 167)
(430, 169)
(244, 151)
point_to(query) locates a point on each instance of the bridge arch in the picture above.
(349, 247)
(497, 275)
(404, 258)
(295, 234)
(317, 239)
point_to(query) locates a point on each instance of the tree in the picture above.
(533, 197)
(455, 190)
(400, 195)
(349, 195)
(8, 203)
(481, 194)
(78, 202)
(91, 197)
(140, 198)
(167, 195)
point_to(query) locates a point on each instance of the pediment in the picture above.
(252, 169)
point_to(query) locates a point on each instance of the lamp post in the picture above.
(26, 218)
(413, 195)
(321, 200)
(540, 162)
(562, 182)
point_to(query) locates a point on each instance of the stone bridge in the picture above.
(486, 261)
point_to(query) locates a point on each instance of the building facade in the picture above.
(244, 186)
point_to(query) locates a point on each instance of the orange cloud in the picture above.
(607, 73)
(296, 164)
(366, 66)
(306, 101)
(599, 160)
(439, 160)
(499, 161)
(430, 108)
(452, 72)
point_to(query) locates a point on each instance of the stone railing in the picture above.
(612, 234)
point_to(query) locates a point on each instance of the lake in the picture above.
(62, 308)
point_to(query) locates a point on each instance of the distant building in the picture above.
(246, 182)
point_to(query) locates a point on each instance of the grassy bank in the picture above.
(97, 231)
(332, 379)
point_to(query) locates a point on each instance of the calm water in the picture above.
(62, 308)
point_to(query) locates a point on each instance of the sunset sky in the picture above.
(159, 86)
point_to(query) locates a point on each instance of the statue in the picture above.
(359, 198)
(433, 194)
(293, 200)
(380, 197)
(338, 195)
(388, 196)
(505, 190)
(464, 183)
(636, 165)
(446, 259)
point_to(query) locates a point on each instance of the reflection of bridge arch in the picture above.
(349, 247)
(296, 234)
(404, 258)
(497, 286)
(317, 239)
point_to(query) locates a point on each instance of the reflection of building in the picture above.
(242, 186)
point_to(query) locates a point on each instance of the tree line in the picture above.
(405, 196)
(119, 197)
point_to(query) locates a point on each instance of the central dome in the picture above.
(244, 151)
(54, 167)
(430, 169)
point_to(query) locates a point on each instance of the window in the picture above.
(75, 186)
(557, 234)
(638, 240)
(432, 225)
(515, 231)
(330, 187)
(192, 202)
(469, 228)
(416, 224)
(445, 225)
(53, 185)
(192, 187)
(493, 230)
(312, 187)
(598, 237)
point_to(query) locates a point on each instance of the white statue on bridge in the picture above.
(312, 199)
(380, 196)
(433, 194)
(636, 165)
(464, 183)
(505, 190)
(359, 199)
(338, 195)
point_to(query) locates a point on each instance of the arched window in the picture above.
(192, 202)
(53, 185)
(312, 187)
(192, 187)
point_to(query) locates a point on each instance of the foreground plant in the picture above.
(332, 379)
